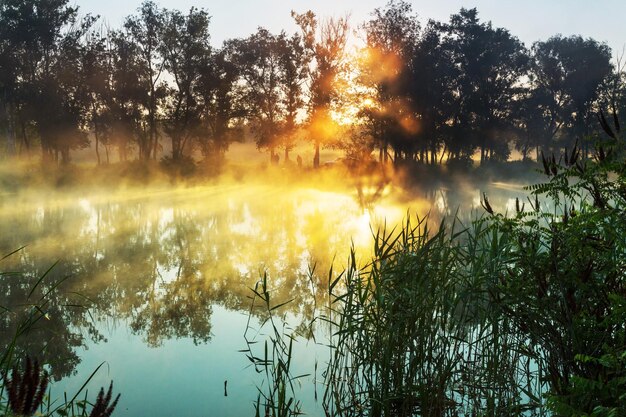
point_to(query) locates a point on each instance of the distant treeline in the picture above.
(430, 93)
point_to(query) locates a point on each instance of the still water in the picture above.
(154, 282)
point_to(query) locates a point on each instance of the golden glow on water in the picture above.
(222, 233)
(163, 271)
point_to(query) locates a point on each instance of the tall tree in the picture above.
(185, 48)
(391, 36)
(259, 59)
(295, 71)
(43, 42)
(144, 30)
(490, 63)
(128, 97)
(432, 73)
(221, 104)
(325, 43)
(97, 74)
(567, 75)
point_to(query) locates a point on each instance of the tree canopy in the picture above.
(429, 92)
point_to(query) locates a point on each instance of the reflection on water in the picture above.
(142, 272)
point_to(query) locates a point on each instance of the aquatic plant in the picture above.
(508, 316)
(103, 406)
(415, 332)
(26, 388)
(277, 395)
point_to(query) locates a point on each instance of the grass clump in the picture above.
(510, 315)
(277, 394)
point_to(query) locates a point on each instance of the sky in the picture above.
(529, 20)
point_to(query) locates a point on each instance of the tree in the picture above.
(490, 64)
(566, 78)
(391, 36)
(144, 32)
(221, 103)
(260, 61)
(8, 77)
(326, 47)
(41, 40)
(128, 96)
(295, 71)
(185, 48)
(432, 72)
(97, 74)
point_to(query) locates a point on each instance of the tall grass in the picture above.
(277, 395)
(416, 333)
(510, 315)
(23, 382)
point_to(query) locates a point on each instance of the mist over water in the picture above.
(155, 280)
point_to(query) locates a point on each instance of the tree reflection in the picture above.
(161, 260)
(40, 318)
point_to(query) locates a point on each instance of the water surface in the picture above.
(155, 281)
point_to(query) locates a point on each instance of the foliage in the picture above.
(427, 93)
(566, 284)
(511, 315)
(278, 398)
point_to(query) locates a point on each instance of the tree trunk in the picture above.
(10, 130)
(97, 144)
(316, 158)
(65, 155)
(24, 135)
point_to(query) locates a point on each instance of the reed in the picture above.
(519, 314)
(277, 394)
(415, 332)
(24, 384)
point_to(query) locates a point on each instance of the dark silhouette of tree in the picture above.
(128, 95)
(144, 32)
(45, 42)
(97, 74)
(391, 37)
(538, 122)
(9, 88)
(612, 94)
(271, 69)
(222, 105)
(424, 95)
(185, 48)
(432, 74)
(490, 63)
(566, 79)
(295, 71)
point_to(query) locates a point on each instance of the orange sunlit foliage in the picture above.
(324, 126)
(410, 124)
(377, 66)
(369, 92)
